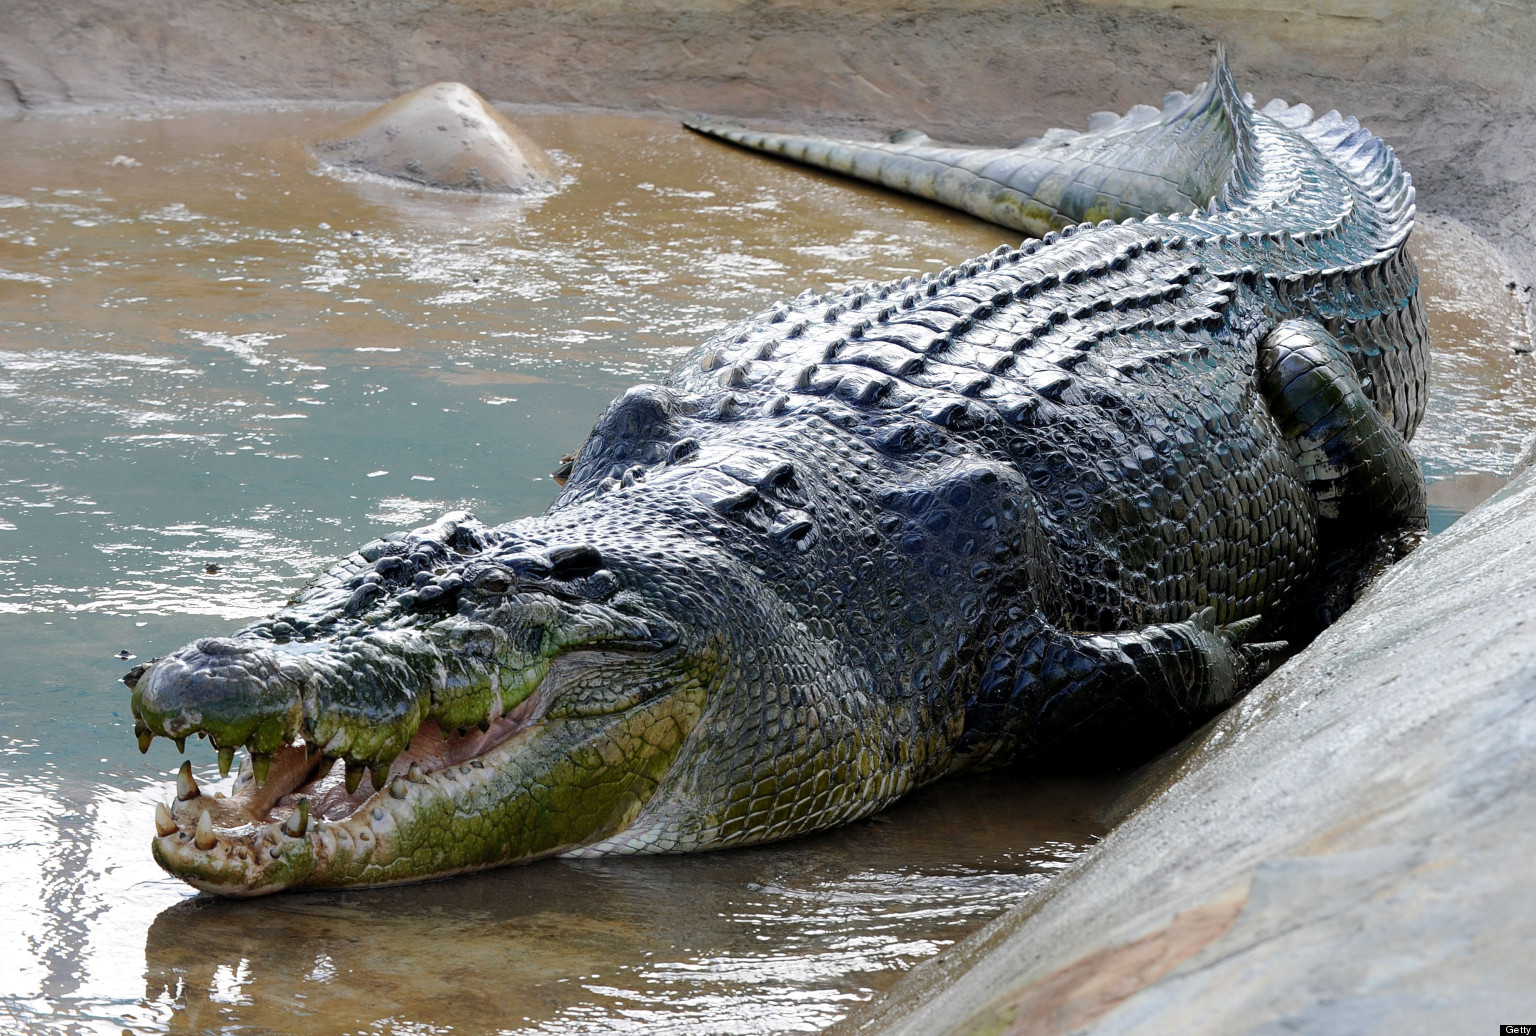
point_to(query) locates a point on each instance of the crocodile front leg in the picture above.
(1062, 698)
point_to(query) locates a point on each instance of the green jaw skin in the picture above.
(1060, 503)
(546, 789)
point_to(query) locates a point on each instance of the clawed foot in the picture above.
(1236, 663)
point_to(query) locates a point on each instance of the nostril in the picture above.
(362, 597)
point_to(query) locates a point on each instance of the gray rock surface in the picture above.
(1349, 849)
(444, 136)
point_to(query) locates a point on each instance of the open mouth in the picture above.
(302, 782)
(486, 698)
(305, 814)
(556, 771)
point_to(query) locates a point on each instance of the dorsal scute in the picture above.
(991, 344)
(1279, 192)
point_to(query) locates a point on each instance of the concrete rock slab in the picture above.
(444, 136)
(1350, 849)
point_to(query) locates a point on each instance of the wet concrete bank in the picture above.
(1349, 849)
(1446, 83)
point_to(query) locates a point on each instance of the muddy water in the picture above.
(1483, 393)
(220, 367)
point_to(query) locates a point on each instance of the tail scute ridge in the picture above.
(1173, 159)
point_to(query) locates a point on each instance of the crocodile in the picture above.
(1058, 504)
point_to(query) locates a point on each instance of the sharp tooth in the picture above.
(226, 760)
(354, 777)
(165, 824)
(186, 786)
(261, 762)
(145, 740)
(379, 775)
(397, 787)
(298, 821)
(484, 725)
(204, 838)
(414, 774)
(181, 744)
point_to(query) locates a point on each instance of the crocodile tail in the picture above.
(1176, 158)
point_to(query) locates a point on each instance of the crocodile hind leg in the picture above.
(1357, 465)
(1368, 487)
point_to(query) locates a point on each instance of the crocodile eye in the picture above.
(494, 580)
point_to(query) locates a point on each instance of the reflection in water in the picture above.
(79, 902)
(778, 939)
(219, 369)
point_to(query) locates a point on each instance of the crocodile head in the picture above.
(492, 696)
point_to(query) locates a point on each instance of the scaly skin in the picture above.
(1037, 508)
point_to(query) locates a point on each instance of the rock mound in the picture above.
(445, 136)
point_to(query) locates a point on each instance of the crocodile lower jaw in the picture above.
(305, 799)
(551, 776)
